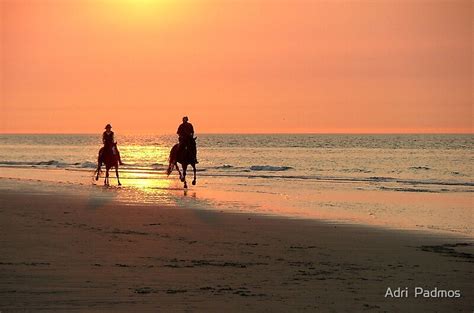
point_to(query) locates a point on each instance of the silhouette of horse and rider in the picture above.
(108, 155)
(184, 153)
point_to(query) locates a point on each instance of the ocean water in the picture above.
(408, 159)
(291, 174)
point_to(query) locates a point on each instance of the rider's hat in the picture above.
(108, 126)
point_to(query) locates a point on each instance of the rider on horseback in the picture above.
(186, 137)
(109, 143)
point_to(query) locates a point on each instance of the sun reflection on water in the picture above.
(136, 154)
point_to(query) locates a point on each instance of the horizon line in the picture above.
(246, 133)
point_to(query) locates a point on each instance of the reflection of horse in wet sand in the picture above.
(185, 157)
(110, 160)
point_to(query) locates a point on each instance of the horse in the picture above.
(110, 160)
(185, 157)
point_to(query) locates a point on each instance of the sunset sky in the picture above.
(236, 66)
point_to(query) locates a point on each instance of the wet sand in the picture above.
(436, 211)
(78, 252)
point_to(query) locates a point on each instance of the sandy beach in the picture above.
(76, 251)
(264, 156)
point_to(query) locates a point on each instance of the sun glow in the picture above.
(143, 12)
(145, 5)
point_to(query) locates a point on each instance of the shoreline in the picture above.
(63, 251)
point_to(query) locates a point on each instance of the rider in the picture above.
(186, 137)
(109, 142)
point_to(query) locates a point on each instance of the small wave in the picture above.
(41, 163)
(426, 168)
(13, 163)
(270, 168)
(51, 162)
(224, 166)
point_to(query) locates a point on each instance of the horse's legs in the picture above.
(194, 171)
(99, 165)
(117, 174)
(185, 167)
(183, 176)
(106, 179)
(177, 168)
(97, 172)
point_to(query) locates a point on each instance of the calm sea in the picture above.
(444, 160)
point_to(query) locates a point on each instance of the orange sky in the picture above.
(72, 66)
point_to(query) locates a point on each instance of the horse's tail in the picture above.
(173, 158)
(169, 169)
(100, 160)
